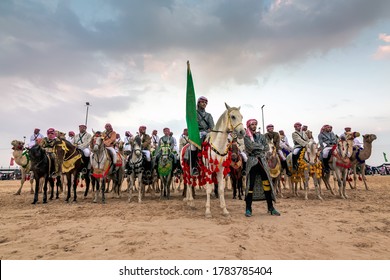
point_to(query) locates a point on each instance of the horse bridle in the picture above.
(98, 159)
(231, 128)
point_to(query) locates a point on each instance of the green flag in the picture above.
(191, 114)
(384, 155)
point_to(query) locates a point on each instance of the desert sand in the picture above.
(334, 229)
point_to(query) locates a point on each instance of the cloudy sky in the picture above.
(312, 61)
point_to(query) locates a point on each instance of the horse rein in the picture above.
(231, 127)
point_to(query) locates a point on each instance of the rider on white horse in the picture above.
(274, 137)
(327, 139)
(205, 124)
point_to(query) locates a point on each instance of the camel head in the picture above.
(369, 138)
(17, 145)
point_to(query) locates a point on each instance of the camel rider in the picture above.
(166, 142)
(127, 143)
(205, 124)
(146, 142)
(109, 138)
(256, 147)
(327, 140)
(274, 137)
(300, 140)
(48, 143)
(82, 141)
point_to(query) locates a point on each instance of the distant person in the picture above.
(70, 137)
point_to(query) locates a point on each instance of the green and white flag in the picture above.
(384, 155)
(191, 114)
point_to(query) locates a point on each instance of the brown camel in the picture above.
(359, 156)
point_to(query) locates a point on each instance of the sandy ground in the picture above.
(334, 229)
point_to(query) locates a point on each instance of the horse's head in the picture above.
(311, 153)
(36, 153)
(121, 145)
(17, 145)
(344, 147)
(136, 146)
(98, 143)
(234, 121)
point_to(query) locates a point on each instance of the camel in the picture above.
(21, 158)
(359, 156)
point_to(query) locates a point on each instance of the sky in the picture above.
(313, 61)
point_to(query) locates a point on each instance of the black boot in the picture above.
(284, 165)
(295, 161)
(271, 209)
(194, 165)
(248, 202)
(325, 162)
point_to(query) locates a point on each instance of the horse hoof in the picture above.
(44, 202)
(208, 216)
(34, 202)
(17, 193)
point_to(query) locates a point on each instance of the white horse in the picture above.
(103, 168)
(339, 163)
(22, 159)
(215, 158)
(310, 165)
(135, 169)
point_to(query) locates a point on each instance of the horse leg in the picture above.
(234, 186)
(68, 184)
(141, 188)
(306, 183)
(317, 186)
(96, 185)
(345, 174)
(162, 190)
(75, 188)
(37, 181)
(87, 183)
(221, 190)
(169, 179)
(209, 189)
(240, 188)
(45, 190)
(130, 183)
